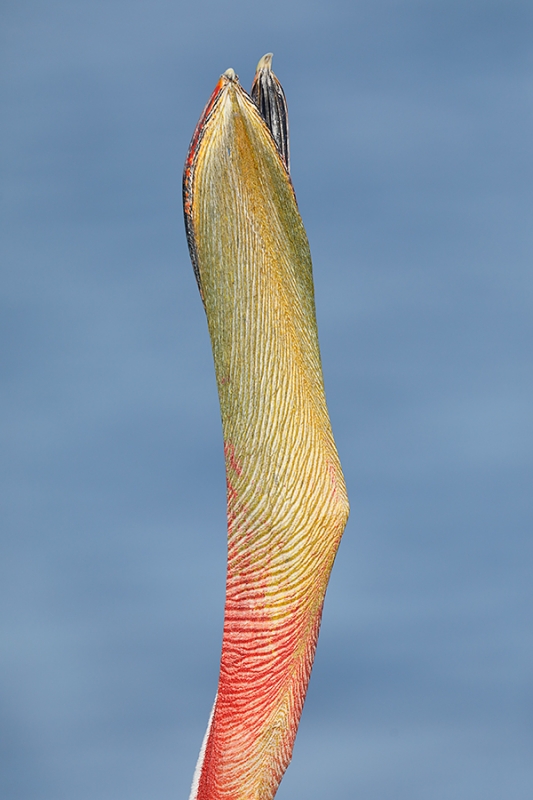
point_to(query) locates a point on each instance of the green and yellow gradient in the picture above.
(287, 503)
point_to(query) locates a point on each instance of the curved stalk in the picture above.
(286, 497)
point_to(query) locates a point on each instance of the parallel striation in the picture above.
(286, 497)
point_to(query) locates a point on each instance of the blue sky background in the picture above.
(411, 145)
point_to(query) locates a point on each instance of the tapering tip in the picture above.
(269, 97)
(230, 75)
(265, 62)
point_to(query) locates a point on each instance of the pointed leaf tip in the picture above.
(265, 62)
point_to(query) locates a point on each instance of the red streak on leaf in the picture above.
(231, 459)
(195, 141)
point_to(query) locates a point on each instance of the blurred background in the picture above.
(411, 134)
